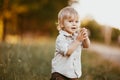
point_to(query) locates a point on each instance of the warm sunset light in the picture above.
(105, 12)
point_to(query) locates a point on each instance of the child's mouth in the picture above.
(73, 28)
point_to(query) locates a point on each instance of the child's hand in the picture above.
(82, 35)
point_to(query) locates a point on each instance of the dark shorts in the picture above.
(57, 76)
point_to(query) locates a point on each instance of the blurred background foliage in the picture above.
(18, 17)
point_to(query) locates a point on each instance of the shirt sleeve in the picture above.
(62, 45)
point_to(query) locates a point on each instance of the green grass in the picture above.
(97, 68)
(33, 62)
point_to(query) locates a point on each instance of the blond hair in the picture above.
(66, 13)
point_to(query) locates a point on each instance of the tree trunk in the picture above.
(1, 29)
(107, 35)
(4, 20)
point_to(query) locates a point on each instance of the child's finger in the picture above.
(83, 30)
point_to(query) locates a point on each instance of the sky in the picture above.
(105, 12)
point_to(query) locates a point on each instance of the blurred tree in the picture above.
(4, 12)
(42, 16)
(19, 16)
(1, 29)
(9, 11)
(99, 32)
(115, 35)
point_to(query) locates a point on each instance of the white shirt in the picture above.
(67, 66)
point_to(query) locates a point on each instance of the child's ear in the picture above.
(62, 24)
(59, 26)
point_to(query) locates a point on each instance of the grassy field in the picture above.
(33, 62)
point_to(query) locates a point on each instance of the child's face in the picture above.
(71, 25)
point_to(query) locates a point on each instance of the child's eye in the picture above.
(76, 21)
(70, 21)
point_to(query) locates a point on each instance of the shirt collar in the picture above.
(65, 33)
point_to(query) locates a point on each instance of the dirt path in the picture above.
(108, 52)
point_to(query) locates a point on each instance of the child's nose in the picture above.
(74, 23)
